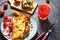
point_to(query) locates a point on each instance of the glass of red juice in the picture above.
(43, 11)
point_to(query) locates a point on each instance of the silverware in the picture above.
(44, 35)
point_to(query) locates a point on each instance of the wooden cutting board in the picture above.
(19, 7)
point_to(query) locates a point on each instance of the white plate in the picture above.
(32, 32)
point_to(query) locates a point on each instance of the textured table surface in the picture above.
(54, 17)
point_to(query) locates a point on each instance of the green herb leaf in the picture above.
(28, 1)
(20, 29)
(31, 26)
(30, 5)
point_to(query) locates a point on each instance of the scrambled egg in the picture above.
(19, 25)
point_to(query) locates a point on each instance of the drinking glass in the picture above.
(43, 11)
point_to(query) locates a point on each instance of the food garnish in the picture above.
(47, 1)
(6, 19)
(26, 29)
(2, 12)
(29, 1)
(5, 5)
(28, 16)
(27, 4)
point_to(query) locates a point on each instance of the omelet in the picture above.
(20, 28)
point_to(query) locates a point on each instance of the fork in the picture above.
(44, 35)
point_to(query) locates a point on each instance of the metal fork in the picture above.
(44, 35)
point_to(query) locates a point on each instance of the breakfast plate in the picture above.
(32, 31)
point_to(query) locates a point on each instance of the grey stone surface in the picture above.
(54, 17)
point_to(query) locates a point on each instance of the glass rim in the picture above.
(45, 5)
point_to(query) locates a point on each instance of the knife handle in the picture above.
(45, 37)
(40, 36)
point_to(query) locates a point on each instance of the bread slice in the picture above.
(19, 6)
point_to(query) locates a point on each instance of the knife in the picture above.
(44, 35)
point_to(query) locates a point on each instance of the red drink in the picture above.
(43, 11)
